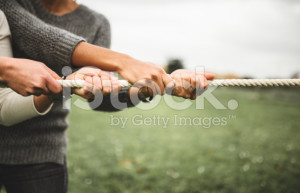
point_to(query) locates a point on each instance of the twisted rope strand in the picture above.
(255, 82)
(72, 83)
(217, 82)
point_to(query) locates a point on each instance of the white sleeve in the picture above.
(15, 108)
(5, 37)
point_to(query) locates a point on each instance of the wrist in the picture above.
(86, 54)
(42, 103)
(109, 60)
(120, 63)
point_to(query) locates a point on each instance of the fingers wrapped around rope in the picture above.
(189, 85)
(144, 90)
(106, 83)
(96, 82)
(87, 91)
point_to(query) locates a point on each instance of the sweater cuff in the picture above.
(65, 47)
(17, 108)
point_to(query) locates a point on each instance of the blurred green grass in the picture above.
(257, 151)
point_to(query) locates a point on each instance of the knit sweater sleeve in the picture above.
(37, 39)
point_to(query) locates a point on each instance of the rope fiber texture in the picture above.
(217, 82)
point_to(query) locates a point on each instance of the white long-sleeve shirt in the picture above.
(5, 44)
(14, 108)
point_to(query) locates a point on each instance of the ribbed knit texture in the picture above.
(43, 139)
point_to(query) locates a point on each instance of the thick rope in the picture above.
(217, 82)
(72, 83)
(255, 82)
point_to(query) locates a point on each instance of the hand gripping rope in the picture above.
(217, 82)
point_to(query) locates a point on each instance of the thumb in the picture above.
(53, 85)
(51, 82)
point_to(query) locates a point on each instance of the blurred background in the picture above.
(256, 38)
(258, 150)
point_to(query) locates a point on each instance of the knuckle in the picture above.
(115, 86)
(106, 90)
(25, 93)
(43, 76)
(38, 84)
(154, 76)
(58, 90)
(170, 86)
(98, 87)
(85, 92)
(161, 70)
(28, 91)
(181, 93)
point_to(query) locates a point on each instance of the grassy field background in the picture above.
(257, 151)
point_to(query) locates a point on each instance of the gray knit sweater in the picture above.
(42, 139)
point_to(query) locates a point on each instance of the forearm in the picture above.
(86, 54)
(103, 39)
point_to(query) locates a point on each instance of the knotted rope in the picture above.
(217, 82)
